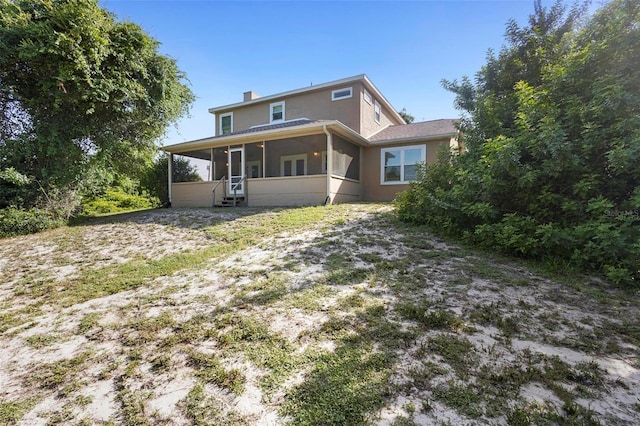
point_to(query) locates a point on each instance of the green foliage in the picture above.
(155, 180)
(408, 118)
(79, 90)
(14, 221)
(552, 135)
(117, 200)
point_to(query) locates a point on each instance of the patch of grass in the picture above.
(266, 350)
(145, 329)
(456, 351)
(132, 408)
(202, 408)
(12, 411)
(346, 386)
(341, 270)
(310, 299)
(39, 341)
(430, 318)
(535, 414)
(210, 370)
(88, 322)
(161, 362)
(461, 398)
(342, 387)
(265, 291)
(419, 242)
(509, 325)
(492, 314)
(422, 376)
(60, 375)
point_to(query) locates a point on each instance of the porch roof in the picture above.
(289, 129)
(423, 130)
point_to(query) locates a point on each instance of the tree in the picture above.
(553, 134)
(156, 179)
(78, 88)
(408, 118)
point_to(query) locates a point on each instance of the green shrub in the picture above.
(552, 140)
(14, 221)
(117, 200)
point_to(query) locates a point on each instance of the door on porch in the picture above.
(236, 168)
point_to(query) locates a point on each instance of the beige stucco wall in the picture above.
(345, 190)
(312, 105)
(368, 124)
(287, 191)
(193, 194)
(373, 190)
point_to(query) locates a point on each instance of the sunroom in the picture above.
(302, 163)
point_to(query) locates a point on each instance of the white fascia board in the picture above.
(412, 139)
(289, 93)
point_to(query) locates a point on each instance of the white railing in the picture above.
(234, 188)
(224, 188)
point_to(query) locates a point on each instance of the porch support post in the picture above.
(212, 166)
(264, 158)
(170, 175)
(329, 199)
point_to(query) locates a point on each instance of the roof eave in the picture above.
(321, 86)
(287, 132)
(411, 139)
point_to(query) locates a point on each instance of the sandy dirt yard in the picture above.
(319, 315)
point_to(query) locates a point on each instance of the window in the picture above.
(367, 97)
(345, 93)
(399, 164)
(293, 165)
(226, 123)
(376, 112)
(254, 169)
(277, 112)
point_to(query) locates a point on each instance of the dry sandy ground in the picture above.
(110, 359)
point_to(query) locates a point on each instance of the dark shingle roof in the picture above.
(423, 129)
(282, 125)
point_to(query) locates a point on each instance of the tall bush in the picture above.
(552, 128)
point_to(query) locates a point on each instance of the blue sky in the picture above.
(405, 47)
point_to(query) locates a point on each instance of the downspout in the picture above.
(329, 199)
(170, 176)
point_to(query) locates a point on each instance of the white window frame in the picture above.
(367, 97)
(402, 149)
(377, 112)
(229, 114)
(334, 94)
(271, 107)
(293, 159)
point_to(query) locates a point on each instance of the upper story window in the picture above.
(376, 112)
(276, 112)
(226, 123)
(399, 164)
(338, 94)
(367, 97)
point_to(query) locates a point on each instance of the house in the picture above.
(340, 141)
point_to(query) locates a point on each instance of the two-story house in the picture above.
(334, 142)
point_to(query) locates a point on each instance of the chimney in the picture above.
(250, 95)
